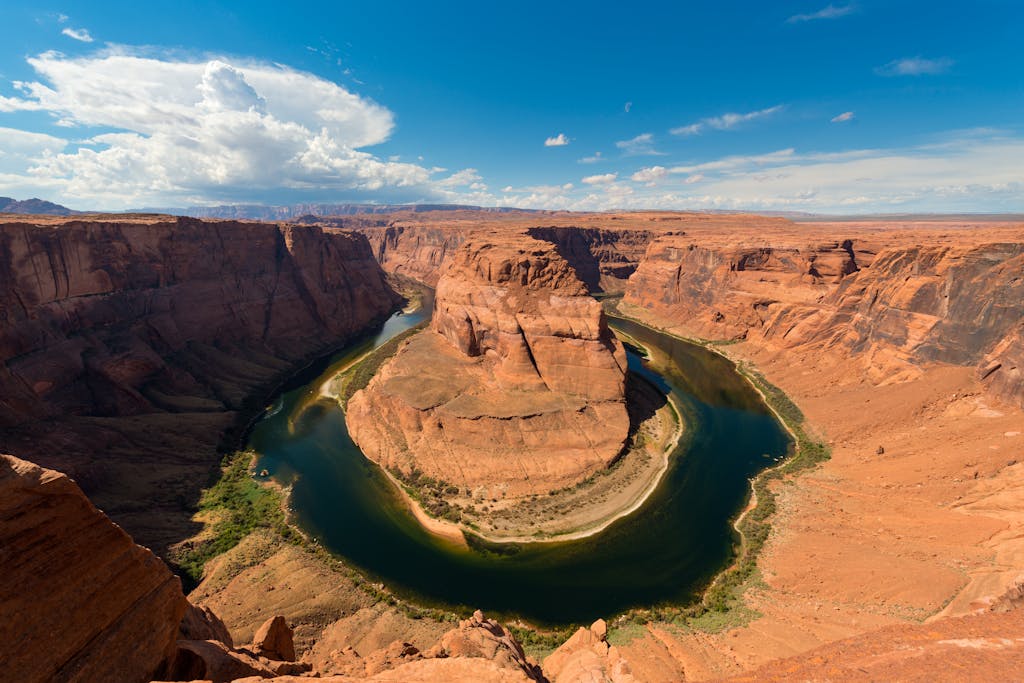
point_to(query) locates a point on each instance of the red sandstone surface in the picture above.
(518, 386)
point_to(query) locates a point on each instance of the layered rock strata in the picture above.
(891, 311)
(128, 345)
(81, 601)
(518, 384)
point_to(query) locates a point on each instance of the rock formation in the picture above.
(81, 601)
(604, 258)
(519, 384)
(418, 252)
(273, 640)
(891, 311)
(128, 345)
(726, 290)
(1002, 370)
(587, 656)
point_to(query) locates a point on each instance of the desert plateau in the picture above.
(409, 342)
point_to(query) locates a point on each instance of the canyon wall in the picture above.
(603, 257)
(518, 384)
(129, 345)
(414, 251)
(890, 308)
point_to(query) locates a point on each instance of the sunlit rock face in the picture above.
(517, 384)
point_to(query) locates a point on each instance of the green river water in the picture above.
(665, 552)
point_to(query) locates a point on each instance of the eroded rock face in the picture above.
(128, 345)
(1002, 370)
(891, 310)
(727, 290)
(518, 384)
(274, 640)
(418, 252)
(604, 258)
(81, 601)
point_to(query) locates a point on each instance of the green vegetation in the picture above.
(430, 494)
(539, 644)
(360, 374)
(235, 506)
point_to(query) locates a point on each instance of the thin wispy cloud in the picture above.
(725, 121)
(842, 118)
(827, 12)
(79, 34)
(641, 145)
(915, 66)
(559, 140)
(629, 105)
(592, 159)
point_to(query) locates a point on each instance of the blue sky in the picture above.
(841, 107)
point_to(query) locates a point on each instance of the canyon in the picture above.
(133, 346)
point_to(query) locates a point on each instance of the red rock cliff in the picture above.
(519, 383)
(890, 309)
(129, 344)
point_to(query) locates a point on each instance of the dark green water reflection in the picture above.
(666, 552)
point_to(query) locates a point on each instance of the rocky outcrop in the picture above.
(478, 649)
(518, 385)
(201, 623)
(587, 656)
(81, 601)
(273, 640)
(1002, 370)
(129, 345)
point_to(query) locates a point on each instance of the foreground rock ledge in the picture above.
(517, 388)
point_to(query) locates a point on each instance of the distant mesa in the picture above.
(517, 386)
(34, 206)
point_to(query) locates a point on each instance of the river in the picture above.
(664, 553)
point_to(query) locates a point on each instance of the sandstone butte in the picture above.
(517, 387)
(130, 344)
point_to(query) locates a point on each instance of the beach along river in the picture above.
(665, 552)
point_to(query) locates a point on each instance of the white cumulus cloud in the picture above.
(160, 129)
(649, 175)
(601, 179)
(557, 141)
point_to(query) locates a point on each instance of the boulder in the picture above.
(274, 640)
